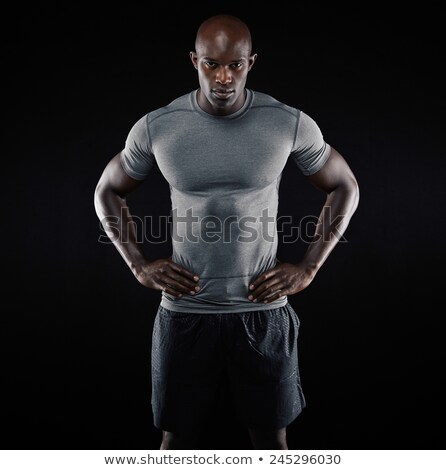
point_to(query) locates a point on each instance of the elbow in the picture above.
(99, 195)
(348, 191)
(355, 193)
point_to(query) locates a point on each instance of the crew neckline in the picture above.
(237, 114)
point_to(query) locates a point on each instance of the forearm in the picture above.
(333, 220)
(117, 222)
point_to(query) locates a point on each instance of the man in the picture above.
(224, 313)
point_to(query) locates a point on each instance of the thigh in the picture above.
(186, 369)
(263, 368)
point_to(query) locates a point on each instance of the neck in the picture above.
(207, 107)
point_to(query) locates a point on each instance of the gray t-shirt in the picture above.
(224, 174)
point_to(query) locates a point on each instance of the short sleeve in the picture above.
(310, 151)
(137, 158)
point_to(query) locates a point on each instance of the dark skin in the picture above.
(337, 181)
(110, 200)
(223, 60)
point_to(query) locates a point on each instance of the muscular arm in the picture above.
(338, 182)
(111, 207)
(336, 179)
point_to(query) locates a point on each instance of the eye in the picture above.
(210, 64)
(236, 65)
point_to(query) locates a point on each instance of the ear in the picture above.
(252, 60)
(194, 58)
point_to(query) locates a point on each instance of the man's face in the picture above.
(223, 65)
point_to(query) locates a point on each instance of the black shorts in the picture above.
(254, 353)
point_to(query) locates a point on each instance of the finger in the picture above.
(259, 297)
(179, 286)
(169, 290)
(262, 278)
(184, 271)
(275, 296)
(185, 281)
(268, 292)
(264, 286)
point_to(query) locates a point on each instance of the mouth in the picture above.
(222, 93)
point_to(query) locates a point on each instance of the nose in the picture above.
(223, 76)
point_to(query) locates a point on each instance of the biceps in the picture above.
(115, 179)
(334, 174)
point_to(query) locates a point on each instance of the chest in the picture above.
(232, 155)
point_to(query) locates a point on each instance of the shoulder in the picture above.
(263, 100)
(140, 128)
(179, 105)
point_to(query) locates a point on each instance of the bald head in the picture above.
(226, 30)
(223, 59)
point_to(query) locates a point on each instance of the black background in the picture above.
(76, 326)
